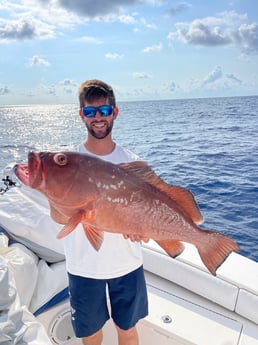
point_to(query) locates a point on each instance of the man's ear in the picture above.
(115, 112)
(81, 115)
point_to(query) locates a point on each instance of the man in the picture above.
(117, 266)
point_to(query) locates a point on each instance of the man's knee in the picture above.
(94, 339)
(127, 336)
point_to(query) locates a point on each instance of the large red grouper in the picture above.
(127, 198)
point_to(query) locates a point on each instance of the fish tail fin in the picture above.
(172, 247)
(215, 252)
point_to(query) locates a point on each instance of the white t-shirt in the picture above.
(117, 256)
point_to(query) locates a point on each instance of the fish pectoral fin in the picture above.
(71, 224)
(57, 216)
(94, 235)
(172, 247)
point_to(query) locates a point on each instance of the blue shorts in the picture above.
(128, 300)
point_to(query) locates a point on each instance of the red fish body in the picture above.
(126, 198)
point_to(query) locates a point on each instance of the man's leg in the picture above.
(94, 339)
(89, 309)
(128, 337)
(129, 304)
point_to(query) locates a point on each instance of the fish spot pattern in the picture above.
(113, 186)
(118, 200)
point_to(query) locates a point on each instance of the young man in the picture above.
(117, 266)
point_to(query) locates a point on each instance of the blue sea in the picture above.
(209, 146)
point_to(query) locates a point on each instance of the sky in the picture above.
(146, 49)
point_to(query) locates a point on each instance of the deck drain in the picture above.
(166, 319)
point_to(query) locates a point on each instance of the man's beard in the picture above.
(101, 135)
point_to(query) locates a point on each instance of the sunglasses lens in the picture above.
(105, 110)
(89, 111)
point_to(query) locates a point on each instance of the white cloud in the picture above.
(247, 38)
(42, 19)
(68, 82)
(141, 75)
(69, 85)
(93, 8)
(181, 7)
(38, 61)
(90, 39)
(148, 25)
(198, 33)
(113, 56)
(126, 19)
(24, 29)
(233, 78)
(4, 90)
(47, 89)
(48, 11)
(227, 28)
(32, 19)
(214, 75)
(16, 30)
(214, 80)
(172, 86)
(153, 48)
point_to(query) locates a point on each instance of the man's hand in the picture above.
(136, 238)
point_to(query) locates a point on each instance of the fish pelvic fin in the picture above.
(71, 224)
(94, 235)
(182, 196)
(217, 250)
(172, 247)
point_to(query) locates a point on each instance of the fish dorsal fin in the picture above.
(185, 199)
(141, 170)
(182, 196)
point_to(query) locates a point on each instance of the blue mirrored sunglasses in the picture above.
(104, 110)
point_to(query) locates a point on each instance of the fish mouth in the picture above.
(30, 174)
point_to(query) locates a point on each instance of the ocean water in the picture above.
(209, 146)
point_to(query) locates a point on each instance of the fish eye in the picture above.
(60, 159)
